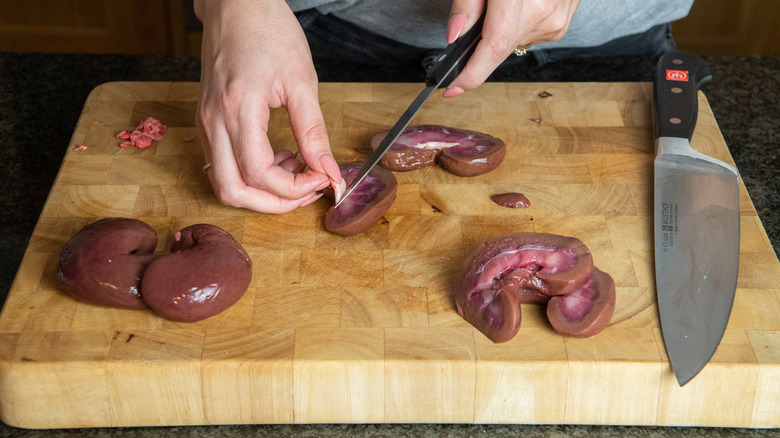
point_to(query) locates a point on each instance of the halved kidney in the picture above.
(518, 268)
(103, 263)
(366, 204)
(494, 311)
(462, 152)
(586, 311)
(206, 272)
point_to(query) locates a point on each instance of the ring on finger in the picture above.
(522, 49)
(206, 166)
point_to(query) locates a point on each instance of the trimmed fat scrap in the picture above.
(149, 130)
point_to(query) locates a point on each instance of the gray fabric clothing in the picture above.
(424, 23)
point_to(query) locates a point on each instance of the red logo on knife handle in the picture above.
(677, 75)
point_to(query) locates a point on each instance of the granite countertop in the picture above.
(42, 95)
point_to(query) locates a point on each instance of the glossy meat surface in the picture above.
(518, 268)
(511, 200)
(366, 204)
(206, 272)
(103, 263)
(462, 152)
(586, 311)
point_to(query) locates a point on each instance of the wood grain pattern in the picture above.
(364, 329)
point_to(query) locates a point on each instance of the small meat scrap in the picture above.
(511, 200)
(188, 138)
(149, 130)
(81, 147)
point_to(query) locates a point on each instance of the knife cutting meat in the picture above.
(696, 221)
(447, 68)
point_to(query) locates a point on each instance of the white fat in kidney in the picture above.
(436, 145)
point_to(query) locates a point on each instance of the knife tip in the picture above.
(683, 377)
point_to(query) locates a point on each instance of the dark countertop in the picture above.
(42, 95)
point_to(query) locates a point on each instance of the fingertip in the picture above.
(452, 91)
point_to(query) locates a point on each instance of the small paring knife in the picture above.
(445, 70)
(696, 221)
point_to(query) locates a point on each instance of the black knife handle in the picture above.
(678, 78)
(455, 55)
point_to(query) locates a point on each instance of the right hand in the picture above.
(255, 57)
(508, 24)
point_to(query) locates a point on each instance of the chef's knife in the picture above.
(696, 222)
(446, 68)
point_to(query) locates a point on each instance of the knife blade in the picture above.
(446, 68)
(696, 222)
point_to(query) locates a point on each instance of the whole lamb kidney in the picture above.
(103, 263)
(367, 203)
(462, 152)
(517, 268)
(206, 272)
(586, 311)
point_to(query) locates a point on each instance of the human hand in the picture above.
(508, 24)
(255, 57)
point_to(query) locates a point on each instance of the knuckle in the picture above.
(253, 177)
(315, 133)
(559, 24)
(228, 196)
(235, 92)
(554, 20)
(499, 46)
(213, 106)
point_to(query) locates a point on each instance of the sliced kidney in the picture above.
(548, 263)
(103, 263)
(587, 310)
(206, 272)
(518, 268)
(366, 204)
(462, 152)
(494, 311)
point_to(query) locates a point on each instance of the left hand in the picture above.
(508, 24)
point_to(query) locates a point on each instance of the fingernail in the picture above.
(330, 166)
(309, 201)
(452, 92)
(455, 26)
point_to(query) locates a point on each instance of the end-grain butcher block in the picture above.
(365, 328)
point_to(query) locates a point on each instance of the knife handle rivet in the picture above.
(676, 90)
(677, 61)
(675, 120)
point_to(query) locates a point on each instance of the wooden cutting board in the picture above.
(364, 329)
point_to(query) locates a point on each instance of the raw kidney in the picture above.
(206, 272)
(103, 263)
(585, 311)
(462, 152)
(519, 268)
(367, 203)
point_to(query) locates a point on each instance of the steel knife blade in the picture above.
(447, 67)
(696, 222)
